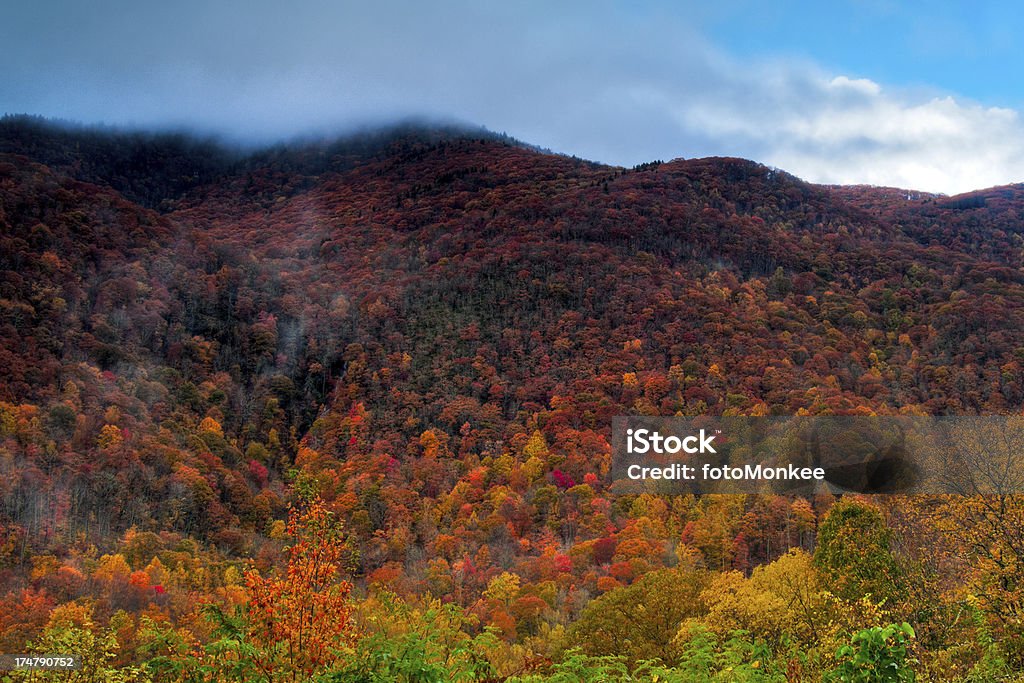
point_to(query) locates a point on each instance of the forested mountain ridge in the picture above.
(429, 331)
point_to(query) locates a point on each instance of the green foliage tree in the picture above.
(703, 656)
(72, 630)
(853, 554)
(405, 644)
(640, 621)
(877, 655)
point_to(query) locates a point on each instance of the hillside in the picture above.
(431, 330)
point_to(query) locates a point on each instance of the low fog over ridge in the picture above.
(225, 151)
(605, 83)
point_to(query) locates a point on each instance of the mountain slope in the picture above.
(433, 331)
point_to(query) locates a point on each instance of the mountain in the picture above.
(431, 329)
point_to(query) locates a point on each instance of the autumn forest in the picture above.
(340, 411)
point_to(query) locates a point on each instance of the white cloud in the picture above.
(863, 86)
(844, 130)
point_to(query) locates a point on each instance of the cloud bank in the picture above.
(843, 130)
(596, 79)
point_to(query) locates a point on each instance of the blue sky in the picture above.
(972, 49)
(918, 95)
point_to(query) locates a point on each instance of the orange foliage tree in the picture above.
(301, 617)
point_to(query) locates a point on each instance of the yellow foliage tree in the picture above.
(780, 599)
(110, 438)
(210, 425)
(503, 588)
